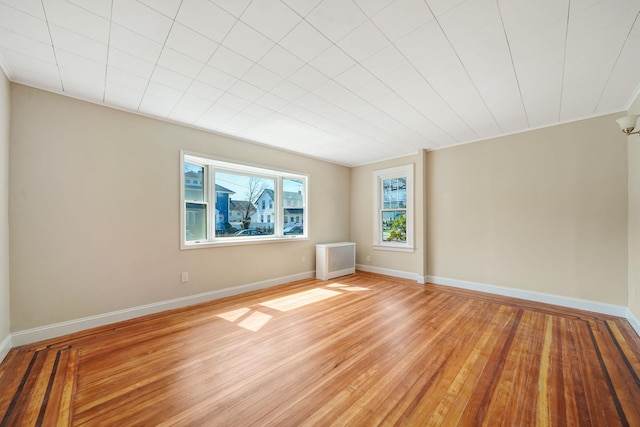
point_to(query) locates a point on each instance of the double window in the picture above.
(224, 202)
(393, 213)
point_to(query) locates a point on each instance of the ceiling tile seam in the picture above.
(53, 48)
(164, 44)
(85, 9)
(223, 92)
(513, 65)
(376, 77)
(416, 109)
(106, 63)
(276, 43)
(615, 63)
(446, 36)
(564, 60)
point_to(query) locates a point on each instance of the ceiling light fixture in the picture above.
(629, 123)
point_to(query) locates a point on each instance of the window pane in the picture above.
(293, 221)
(193, 182)
(394, 193)
(394, 226)
(244, 205)
(195, 221)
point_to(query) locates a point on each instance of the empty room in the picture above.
(319, 212)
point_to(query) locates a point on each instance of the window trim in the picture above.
(213, 164)
(378, 176)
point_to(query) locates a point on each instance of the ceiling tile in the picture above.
(140, 19)
(262, 77)
(363, 42)
(205, 18)
(19, 43)
(332, 62)
(77, 19)
(33, 8)
(173, 60)
(287, 90)
(302, 7)
(76, 43)
(271, 18)
(134, 44)
(246, 91)
(371, 7)
(159, 90)
(384, 61)
(170, 78)
(216, 78)
(204, 91)
(422, 41)
(129, 63)
(280, 61)
(168, 8)
(336, 18)
(402, 17)
(468, 17)
(308, 78)
(23, 23)
(230, 62)
(234, 7)
(126, 81)
(330, 90)
(247, 42)
(305, 42)
(80, 64)
(355, 77)
(190, 43)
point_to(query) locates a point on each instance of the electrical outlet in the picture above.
(184, 277)
(304, 258)
(368, 258)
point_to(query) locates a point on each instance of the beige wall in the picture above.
(634, 217)
(4, 208)
(362, 218)
(542, 211)
(95, 212)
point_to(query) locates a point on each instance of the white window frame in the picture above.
(212, 165)
(379, 176)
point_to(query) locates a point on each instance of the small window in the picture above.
(393, 199)
(220, 202)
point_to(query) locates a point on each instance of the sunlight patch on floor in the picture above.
(234, 315)
(300, 299)
(255, 321)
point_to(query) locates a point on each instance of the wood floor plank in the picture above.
(363, 349)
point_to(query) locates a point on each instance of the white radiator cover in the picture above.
(335, 260)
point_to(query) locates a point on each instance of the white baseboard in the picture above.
(390, 272)
(580, 304)
(41, 333)
(635, 323)
(5, 346)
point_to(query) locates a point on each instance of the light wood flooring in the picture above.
(360, 350)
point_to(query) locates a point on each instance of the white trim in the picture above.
(5, 346)
(407, 171)
(577, 303)
(5, 68)
(29, 336)
(389, 272)
(633, 320)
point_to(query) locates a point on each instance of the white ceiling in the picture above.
(349, 81)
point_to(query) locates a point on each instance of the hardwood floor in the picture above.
(359, 350)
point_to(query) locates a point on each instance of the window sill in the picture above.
(394, 248)
(241, 242)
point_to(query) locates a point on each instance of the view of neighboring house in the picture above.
(293, 209)
(239, 210)
(195, 215)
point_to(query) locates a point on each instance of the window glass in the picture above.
(227, 202)
(393, 189)
(240, 194)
